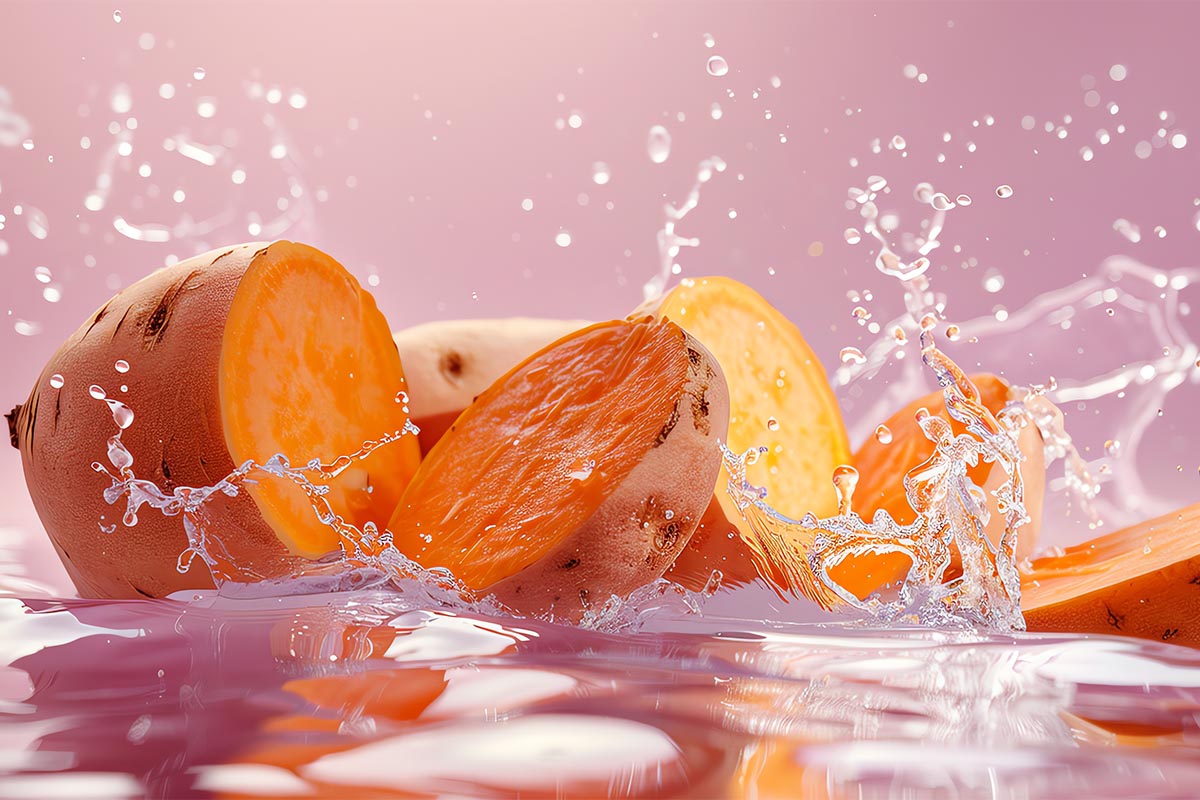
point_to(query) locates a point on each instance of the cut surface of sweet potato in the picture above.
(579, 474)
(780, 398)
(308, 369)
(1142, 581)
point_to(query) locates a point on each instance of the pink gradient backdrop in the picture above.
(425, 126)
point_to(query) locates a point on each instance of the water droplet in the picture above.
(121, 366)
(845, 479)
(206, 107)
(527, 204)
(1004, 191)
(198, 73)
(928, 322)
(52, 293)
(772, 424)
(941, 202)
(993, 281)
(876, 183)
(669, 514)
(1086, 153)
(717, 66)
(659, 144)
(852, 355)
(42, 274)
(883, 434)
(56, 381)
(117, 16)
(861, 315)
(963, 200)
(1118, 72)
(899, 335)
(923, 193)
(709, 41)
(1128, 229)
(898, 142)
(1112, 447)
(852, 236)
(563, 238)
(96, 392)
(953, 333)
(575, 120)
(122, 414)
(600, 173)
(26, 327)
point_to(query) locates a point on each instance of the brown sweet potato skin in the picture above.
(175, 316)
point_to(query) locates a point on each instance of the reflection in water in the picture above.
(365, 691)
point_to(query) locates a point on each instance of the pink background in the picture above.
(423, 127)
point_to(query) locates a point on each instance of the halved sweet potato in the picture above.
(449, 363)
(579, 474)
(1143, 581)
(780, 398)
(236, 354)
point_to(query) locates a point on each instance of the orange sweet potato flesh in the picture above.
(780, 398)
(308, 369)
(579, 474)
(1142, 581)
(220, 350)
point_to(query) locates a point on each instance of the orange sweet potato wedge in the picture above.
(236, 354)
(578, 475)
(1143, 581)
(780, 398)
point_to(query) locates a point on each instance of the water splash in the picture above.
(669, 242)
(952, 516)
(924, 308)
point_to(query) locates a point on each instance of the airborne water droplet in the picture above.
(600, 173)
(717, 66)
(852, 355)
(1112, 447)
(941, 202)
(117, 16)
(845, 479)
(772, 424)
(198, 73)
(659, 144)
(852, 236)
(963, 200)
(563, 238)
(1004, 191)
(953, 333)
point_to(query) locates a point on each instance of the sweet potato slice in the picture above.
(1143, 581)
(780, 398)
(238, 353)
(578, 475)
(449, 363)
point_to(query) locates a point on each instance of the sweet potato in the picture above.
(1142, 581)
(236, 354)
(449, 363)
(780, 398)
(579, 474)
